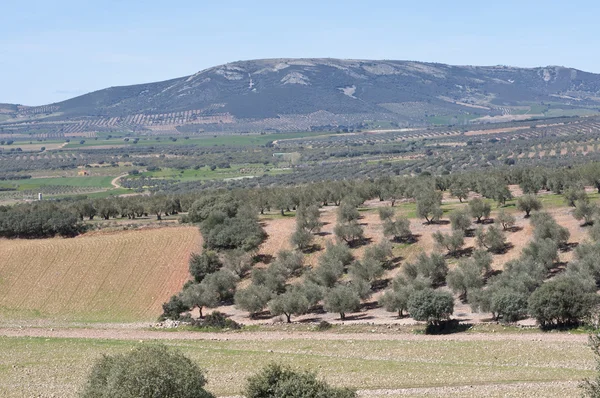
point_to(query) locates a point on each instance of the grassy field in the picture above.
(57, 366)
(219, 140)
(102, 277)
(33, 184)
(205, 173)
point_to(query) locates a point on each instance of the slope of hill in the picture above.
(292, 94)
(122, 276)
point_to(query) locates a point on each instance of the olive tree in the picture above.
(528, 203)
(431, 306)
(341, 299)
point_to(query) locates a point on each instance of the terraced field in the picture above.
(112, 277)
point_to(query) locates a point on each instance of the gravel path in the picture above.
(145, 334)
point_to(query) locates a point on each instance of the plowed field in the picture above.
(115, 277)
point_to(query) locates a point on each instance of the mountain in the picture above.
(302, 94)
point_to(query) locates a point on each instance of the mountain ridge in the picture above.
(283, 94)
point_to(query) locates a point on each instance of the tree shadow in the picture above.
(447, 327)
(567, 247)
(486, 221)
(323, 233)
(413, 238)
(360, 242)
(358, 317)
(505, 249)
(466, 252)
(438, 222)
(514, 228)
(380, 285)
(263, 315)
(263, 258)
(312, 249)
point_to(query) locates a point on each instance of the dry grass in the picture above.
(113, 277)
(45, 367)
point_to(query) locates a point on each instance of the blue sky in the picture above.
(54, 50)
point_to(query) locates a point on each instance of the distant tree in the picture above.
(460, 190)
(368, 269)
(428, 205)
(146, 372)
(564, 300)
(479, 209)
(276, 381)
(433, 267)
(464, 277)
(505, 219)
(431, 306)
(575, 194)
(396, 298)
(292, 302)
(223, 282)
(386, 213)
(253, 299)
(198, 295)
(302, 238)
(528, 203)
(398, 229)
(203, 264)
(492, 239)
(546, 227)
(173, 308)
(460, 220)
(451, 242)
(341, 299)
(585, 211)
(509, 304)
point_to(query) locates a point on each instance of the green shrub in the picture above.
(146, 372)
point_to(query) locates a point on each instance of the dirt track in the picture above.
(146, 334)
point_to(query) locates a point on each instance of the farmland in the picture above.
(379, 364)
(105, 277)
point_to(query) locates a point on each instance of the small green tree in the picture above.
(479, 209)
(460, 220)
(505, 219)
(292, 302)
(146, 372)
(431, 306)
(464, 277)
(528, 203)
(276, 381)
(562, 301)
(342, 299)
(204, 264)
(253, 299)
(433, 267)
(429, 205)
(451, 242)
(198, 295)
(585, 211)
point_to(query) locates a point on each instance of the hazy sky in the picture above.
(54, 50)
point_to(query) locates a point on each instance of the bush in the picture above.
(204, 264)
(562, 301)
(431, 306)
(276, 381)
(217, 320)
(146, 372)
(173, 308)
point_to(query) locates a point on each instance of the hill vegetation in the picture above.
(317, 94)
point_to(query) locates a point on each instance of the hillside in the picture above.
(122, 276)
(304, 94)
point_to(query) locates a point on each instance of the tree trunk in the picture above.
(342, 316)
(288, 316)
